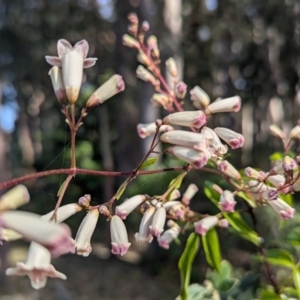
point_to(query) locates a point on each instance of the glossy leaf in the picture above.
(211, 247)
(186, 262)
(278, 257)
(244, 196)
(148, 162)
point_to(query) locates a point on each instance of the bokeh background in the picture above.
(248, 48)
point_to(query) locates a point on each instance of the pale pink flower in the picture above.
(143, 74)
(289, 164)
(124, 209)
(144, 231)
(215, 146)
(163, 100)
(270, 194)
(145, 130)
(57, 83)
(278, 181)
(85, 232)
(130, 42)
(169, 235)
(282, 208)
(55, 237)
(158, 222)
(227, 201)
(72, 60)
(14, 198)
(119, 238)
(189, 194)
(186, 118)
(199, 97)
(232, 104)
(223, 223)
(196, 158)
(37, 266)
(202, 226)
(183, 138)
(175, 195)
(232, 138)
(252, 173)
(229, 170)
(108, 89)
(172, 67)
(180, 90)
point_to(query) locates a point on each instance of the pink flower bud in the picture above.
(223, 223)
(85, 232)
(227, 201)
(119, 238)
(195, 158)
(233, 139)
(172, 67)
(14, 198)
(168, 236)
(158, 222)
(57, 83)
(202, 226)
(175, 195)
(215, 146)
(153, 48)
(282, 208)
(37, 266)
(72, 60)
(170, 204)
(145, 75)
(186, 118)
(199, 97)
(111, 87)
(85, 201)
(144, 231)
(189, 194)
(252, 173)
(180, 90)
(129, 205)
(145, 130)
(144, 59)
(130, 42)
(183, 138)
(55, 237)
(288, 164)
(232, 104)
(229, 170)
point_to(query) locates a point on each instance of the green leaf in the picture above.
(268, 295)
(211, 194)
(288, 198)
(186, 261)
(276, 156)
(293, 238)
(246, 232)
(279, 257)
(121, 189)
(211, 247)
(60, 188)
(296, 278)
(148, 162)
(244, 196)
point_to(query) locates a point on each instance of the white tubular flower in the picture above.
(232, 138)
(72, 60)
(232, 104)
(199, 97)
(144, 231)
(145, 75)
(276, 131)
(145, 130)
(14, 198)
(119, 238)
(85, 232)
(282, 208)
(215, 145)
(170, 204)
(159, 99)
(183, 138)
(124, 209)
(55, 237)
(229, 170)
(202, 226)
(189, 194)
(257, 188)
(186, 118)
(130, 42)
(252, 173)
(172, 67)
(278, 181)
(58, 85)
(175, 195)
(158, 222)
(227, 201)
(108, 89)
(63, 212)
(37, 266)
(270, 194)
(196, 158)
(169, 235)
